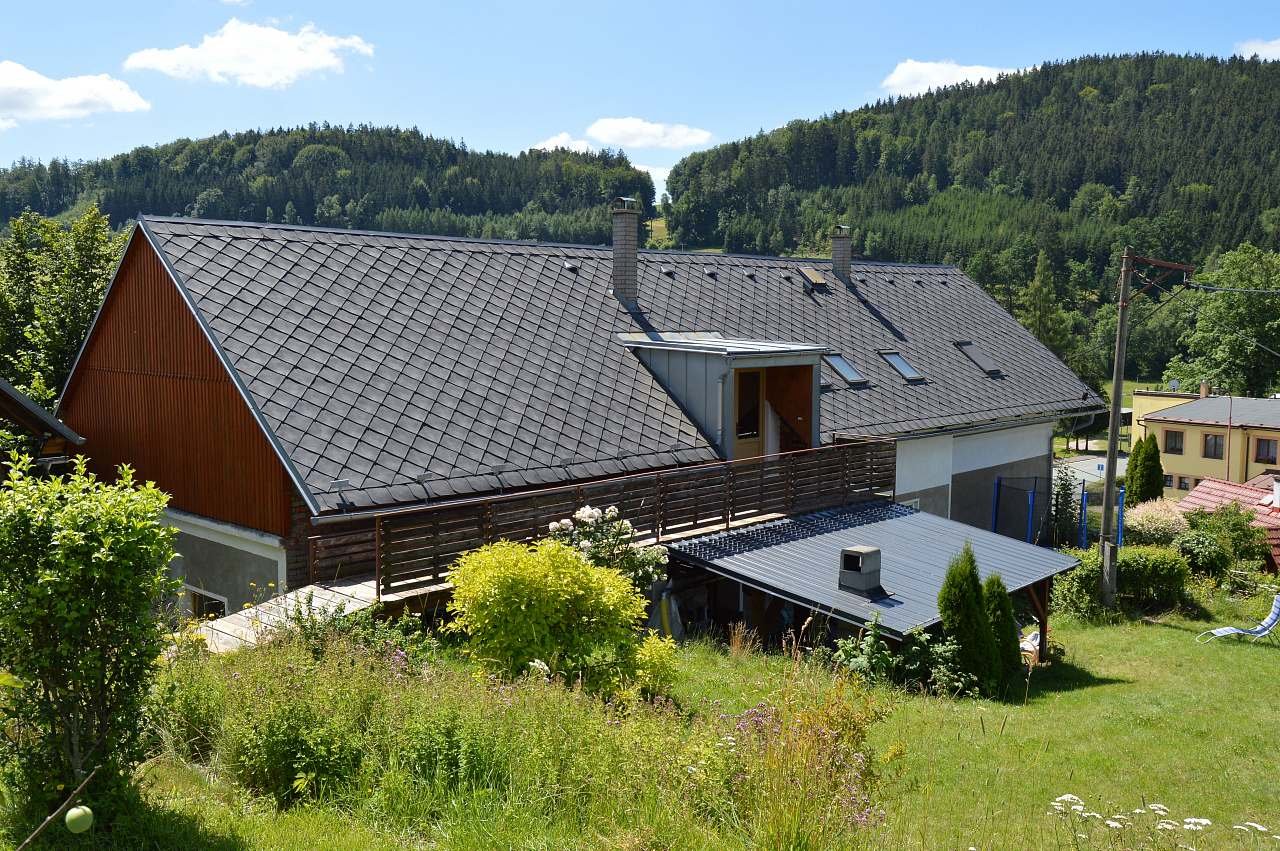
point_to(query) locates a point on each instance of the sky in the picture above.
(658, 79)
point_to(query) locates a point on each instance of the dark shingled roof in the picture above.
(1242, 411)
(799, 559)
(379, 357)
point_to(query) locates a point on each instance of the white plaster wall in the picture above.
(923, 463)
(992, 448)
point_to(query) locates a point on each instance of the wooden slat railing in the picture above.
(413, 550)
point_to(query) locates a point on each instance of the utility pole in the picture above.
(1108, 538)
(1108, 541)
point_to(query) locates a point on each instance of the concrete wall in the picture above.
(954, 475)
(222, 560)
(924, 472)
(972, 491)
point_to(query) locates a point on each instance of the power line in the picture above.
(1208, 288)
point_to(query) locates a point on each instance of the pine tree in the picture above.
(1004, 631)
(964, 619)
(1042, 315)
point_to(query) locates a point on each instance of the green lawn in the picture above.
(1136, 713)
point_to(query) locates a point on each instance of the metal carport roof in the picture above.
(798, 559)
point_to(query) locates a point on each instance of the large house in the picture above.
(1201, 437)
(280, 381)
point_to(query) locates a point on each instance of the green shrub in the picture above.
(1233, 527)
(1147, 579)
(86, 572)
(547, 602)
(189, 700)
(656, 666)
(867, 655)
(964, 619)
(1004, 629)
(1154, 523)
(1203, 551)
(293, 752)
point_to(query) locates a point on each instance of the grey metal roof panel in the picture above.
(1240, 411)
(799, 558)
(478, 353)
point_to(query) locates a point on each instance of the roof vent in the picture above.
(860, 571)
(668, 271)
(710, 272)
(571, 266)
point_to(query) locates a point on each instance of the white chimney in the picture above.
(1205, 390)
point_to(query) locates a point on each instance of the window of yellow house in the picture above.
(1213, 446)
(1172, 442)
(1264, 450)
(1168, 481)
(1184, 484)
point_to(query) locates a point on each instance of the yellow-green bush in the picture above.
(519, 604)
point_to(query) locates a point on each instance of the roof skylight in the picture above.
(845, 369)
(899, 363)
(983, 360)
(812, 275)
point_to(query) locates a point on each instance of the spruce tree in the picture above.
(964, 619)
(1135, 474)
(1153, 481)
(1004, 631)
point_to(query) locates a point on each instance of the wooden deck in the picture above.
(411, 551)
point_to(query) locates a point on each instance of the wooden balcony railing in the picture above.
(410, 551)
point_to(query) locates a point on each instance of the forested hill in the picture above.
(360, 177)
(1179, 155)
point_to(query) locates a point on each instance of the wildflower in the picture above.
(1113, 824)
(1255, 826)
(611, 513)
(1158, 809)
(1189, 826)
(1202, 822)
(1077, 808)
(1165, 824)
(1069, 798)
(1058, 806)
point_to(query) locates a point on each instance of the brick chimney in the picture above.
(841, 252)
(1205, 390)
(626, 235)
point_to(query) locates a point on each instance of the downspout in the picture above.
(720, 415)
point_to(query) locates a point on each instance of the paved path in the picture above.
(243, 628)
(1085, 468)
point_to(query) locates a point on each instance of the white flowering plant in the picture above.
(1149, 826)
(607, 540)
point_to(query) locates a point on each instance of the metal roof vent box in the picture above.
(860, 571)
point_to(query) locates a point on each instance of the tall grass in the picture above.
(429, 749)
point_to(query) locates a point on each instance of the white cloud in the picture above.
(637, 133)
(564, 140)
(253, 55)
(659, 173)
(912, 77)
(27, 95)
(1263, 49)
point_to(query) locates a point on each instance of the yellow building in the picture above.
(1208, 437)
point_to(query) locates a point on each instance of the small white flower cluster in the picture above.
(1068, 805)
(557, 527)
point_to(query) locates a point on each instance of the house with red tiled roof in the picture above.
(1263, 502)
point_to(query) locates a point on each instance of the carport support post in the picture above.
(1043, 643)
(1031, 513)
